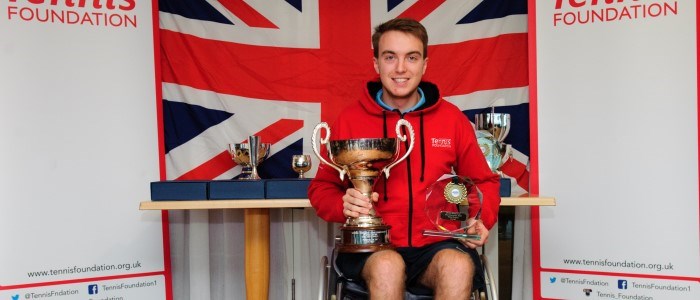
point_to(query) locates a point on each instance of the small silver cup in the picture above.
(301, 164)
(249, 160)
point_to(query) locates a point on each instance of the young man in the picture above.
(445, 141)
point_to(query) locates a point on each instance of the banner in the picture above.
(277, 68)
(616, 112)
(80, 146)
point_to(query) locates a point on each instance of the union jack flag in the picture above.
(276, 68)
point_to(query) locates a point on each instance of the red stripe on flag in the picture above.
(419, 10)
(222, 162)
(247, 14)
(484, 64)
(458, 69)
(244, 70)
(518, 171)
(216, 166)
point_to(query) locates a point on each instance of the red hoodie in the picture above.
(445, 139)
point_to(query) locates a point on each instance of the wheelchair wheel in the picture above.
(491, 292)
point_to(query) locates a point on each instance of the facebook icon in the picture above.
(622, 284)
(92, 289)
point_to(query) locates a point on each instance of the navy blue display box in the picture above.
(236, 189)
(179, 190)
(287, 188)
(505, 187)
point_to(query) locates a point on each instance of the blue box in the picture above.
(179, 190)
(236, 189)
(505, 187)
(287, 188)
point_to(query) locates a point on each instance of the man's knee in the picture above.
(384, 264)
(384, 274)
(449, 267)
(454, 262)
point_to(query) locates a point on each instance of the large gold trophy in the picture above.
(363, 160)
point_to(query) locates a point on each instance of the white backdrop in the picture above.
(617, 111)
(79, 146)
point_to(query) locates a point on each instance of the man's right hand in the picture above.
(355, 204)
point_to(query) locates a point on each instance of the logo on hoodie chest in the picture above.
(441, 142)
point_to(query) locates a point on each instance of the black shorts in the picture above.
(417, 260)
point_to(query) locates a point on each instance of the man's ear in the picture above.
(376, 66)
(425, 65)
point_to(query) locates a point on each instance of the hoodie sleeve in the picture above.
(326, 194)
(472, 164)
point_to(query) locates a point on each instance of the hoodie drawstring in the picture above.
(386, 180)
(422, 149)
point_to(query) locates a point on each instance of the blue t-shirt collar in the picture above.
(381, 103)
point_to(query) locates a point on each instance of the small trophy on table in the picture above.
(249, 156)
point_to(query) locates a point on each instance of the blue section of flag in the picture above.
(193, 9)
(295, 3)
(494, 9)
(182, 122)
(519, 135)
(392, 3)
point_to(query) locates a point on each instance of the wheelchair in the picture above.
(336, 287)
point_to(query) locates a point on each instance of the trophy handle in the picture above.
(508, 154)
(324, 141)
(402, 138)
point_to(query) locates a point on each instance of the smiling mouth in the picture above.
(400, 80)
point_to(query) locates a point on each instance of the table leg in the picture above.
(257, 253)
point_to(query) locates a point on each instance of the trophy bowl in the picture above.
(497, 124)
(491, 130)
(363, 160)
(301, 163)
(249, 160)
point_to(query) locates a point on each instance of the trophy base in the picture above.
(363, 238)
(456, 235)
(248, 174)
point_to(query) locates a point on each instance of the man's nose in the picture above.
(401, 66)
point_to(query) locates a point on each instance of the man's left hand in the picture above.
(481, 230)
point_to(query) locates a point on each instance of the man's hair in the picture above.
(409, 26)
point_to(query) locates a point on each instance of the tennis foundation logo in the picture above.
(586, 12)
(97, 13)
(441, 142)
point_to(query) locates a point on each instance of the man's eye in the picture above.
(389, 58)
(413, 58)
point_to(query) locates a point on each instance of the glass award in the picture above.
(447, 204)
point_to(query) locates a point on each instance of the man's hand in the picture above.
(477, 228)
(356, 204)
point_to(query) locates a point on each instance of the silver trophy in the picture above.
(301, 163)
(249, 160)
(492, 129)
(363, 160)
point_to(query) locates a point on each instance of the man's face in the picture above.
(400, 65)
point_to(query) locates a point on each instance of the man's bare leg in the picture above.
(384, 272)
(450, 274)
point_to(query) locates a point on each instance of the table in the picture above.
(257, 229)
